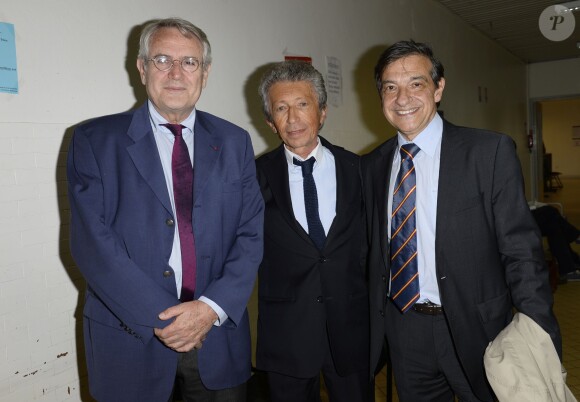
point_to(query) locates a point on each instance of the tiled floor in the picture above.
(568, 313)
(567, 297)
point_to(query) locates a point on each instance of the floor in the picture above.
(567, 296)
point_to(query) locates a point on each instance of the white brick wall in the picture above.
(39, 287)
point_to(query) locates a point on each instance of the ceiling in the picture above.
(514, 25)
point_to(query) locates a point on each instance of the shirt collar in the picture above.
(157, 119)
(316, 152)
(428, 139)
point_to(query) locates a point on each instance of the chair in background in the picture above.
(552, 180)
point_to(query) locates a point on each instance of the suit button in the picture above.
(167, 274)
(384, 278)
(323, 260)
(319, 299)
(170, 222)
(382, 313)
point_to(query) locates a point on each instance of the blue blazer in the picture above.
(121, 239)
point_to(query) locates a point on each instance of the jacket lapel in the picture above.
(343, 169)
(383, 166)
(207, 148)
(145, 155)
(277, 174)
(450, 176)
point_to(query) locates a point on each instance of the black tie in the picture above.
(315, 229)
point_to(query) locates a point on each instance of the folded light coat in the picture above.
(521, 364)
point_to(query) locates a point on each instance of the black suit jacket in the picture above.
(488, 249)
(304, 292)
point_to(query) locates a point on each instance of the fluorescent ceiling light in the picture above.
(571, 5)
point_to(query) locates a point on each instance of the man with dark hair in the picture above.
(166, 228)
(453, 246)
(313, 300)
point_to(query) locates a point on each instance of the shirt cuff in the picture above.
(222, 316)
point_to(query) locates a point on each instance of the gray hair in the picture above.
(186, 28)
(291, 70)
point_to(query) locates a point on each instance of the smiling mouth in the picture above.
(406, 112)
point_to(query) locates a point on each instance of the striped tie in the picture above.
(404, 275)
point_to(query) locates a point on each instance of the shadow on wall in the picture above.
(131, 65)
(68, 262)
(369, 102)
(255, 110)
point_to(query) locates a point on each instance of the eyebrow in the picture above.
(175, 58)
(298, 99)
(417, 77)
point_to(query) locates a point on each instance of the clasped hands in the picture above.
(191, 323)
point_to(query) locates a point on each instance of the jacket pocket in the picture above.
(495, 314)
(96, 311)
(495, 308)
(469, 203)
(232, 186)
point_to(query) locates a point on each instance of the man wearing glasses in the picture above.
(166, 228)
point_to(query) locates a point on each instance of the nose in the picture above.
(402, 97)
(176, 71)
(292, 115)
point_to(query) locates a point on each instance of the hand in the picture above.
(192, 322)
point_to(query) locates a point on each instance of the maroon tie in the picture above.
(183, 196)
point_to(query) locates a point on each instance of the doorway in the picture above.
(556, 153)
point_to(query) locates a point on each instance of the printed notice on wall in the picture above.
(334, 80)
(8, 72)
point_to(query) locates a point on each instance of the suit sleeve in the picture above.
(128, 292)
(520, 243)
(232, 289)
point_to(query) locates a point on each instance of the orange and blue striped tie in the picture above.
(404, 274)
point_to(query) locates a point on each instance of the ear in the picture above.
(322, 117)
(205, 75)
(439, 91)
(272, 126)
(141, 68)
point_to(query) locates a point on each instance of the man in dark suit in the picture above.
(445, 277)
(313, 300)
(169, 253)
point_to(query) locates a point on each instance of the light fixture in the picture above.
(571, 6)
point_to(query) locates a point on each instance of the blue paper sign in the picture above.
(8, 72)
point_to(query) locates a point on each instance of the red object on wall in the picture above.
(305, 59)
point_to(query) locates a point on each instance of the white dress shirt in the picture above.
(164, 139)
(324, 173)
(427, 178)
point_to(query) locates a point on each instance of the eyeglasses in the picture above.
(166, 63)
